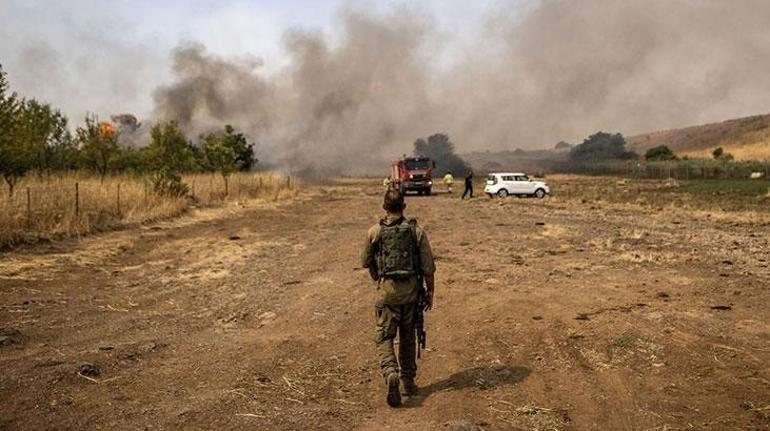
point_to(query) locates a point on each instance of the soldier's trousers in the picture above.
(393, 320)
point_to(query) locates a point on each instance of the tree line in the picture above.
(439, 148)
(35, 137)
(606, 146)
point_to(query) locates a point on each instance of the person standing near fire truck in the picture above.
(468, 185)
(449, 181)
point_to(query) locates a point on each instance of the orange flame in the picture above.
(107, 130)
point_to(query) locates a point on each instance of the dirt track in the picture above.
(549, 314)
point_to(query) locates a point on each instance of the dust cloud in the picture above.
(555, 70)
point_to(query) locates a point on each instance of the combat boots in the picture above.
(410, 387)
(394, 393)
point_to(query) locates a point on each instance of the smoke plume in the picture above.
(536, 73)
(561, 70)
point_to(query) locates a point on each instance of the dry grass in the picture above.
(758, 150)
(46, 207)
(745, 138)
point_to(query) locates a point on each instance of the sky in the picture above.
(122, 49)
(315, 81)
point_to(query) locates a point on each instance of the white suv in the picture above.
(519, 184)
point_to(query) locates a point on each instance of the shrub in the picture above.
(661, 152)
(169, 183)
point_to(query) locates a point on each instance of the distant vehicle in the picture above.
(412, 173)
(518, 183)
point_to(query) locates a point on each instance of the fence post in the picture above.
(288, 181)
(29, 208)
(77, 200)
(118, 199)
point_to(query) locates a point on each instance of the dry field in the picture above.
(56, 206)
(601, 308)
(745, 138)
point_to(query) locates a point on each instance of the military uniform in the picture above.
(396, 303)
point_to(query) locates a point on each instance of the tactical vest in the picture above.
(398, 256)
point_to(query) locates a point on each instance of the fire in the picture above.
(106, 130)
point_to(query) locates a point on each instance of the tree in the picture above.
(15, 155)
(442, 151)
(219, 156)
(167, 156)
(98, 146)
(601, 146)
(169, 148)
(244, 152)
(561, 145)
(44, 131)
(661, 152)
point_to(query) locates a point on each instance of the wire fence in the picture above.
(46, 207)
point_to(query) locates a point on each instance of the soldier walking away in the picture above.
(468, 185)
(398, 256)
(449, 181)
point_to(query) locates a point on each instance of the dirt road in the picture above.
(552, 314)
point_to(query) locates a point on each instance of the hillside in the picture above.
(746, 138)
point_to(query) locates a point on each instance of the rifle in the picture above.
(419, 318)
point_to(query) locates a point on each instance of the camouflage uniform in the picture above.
(396, 305)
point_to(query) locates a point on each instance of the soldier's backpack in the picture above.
(398, 254)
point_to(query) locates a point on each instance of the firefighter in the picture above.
(449, 181)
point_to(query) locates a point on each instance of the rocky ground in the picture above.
(592, 309)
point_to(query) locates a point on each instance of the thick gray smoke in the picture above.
(560, 71)
(333, 110)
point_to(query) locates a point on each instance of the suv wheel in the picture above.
(540, 193)
(502, 193)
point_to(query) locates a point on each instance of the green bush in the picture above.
(168, 183)
(661, 152)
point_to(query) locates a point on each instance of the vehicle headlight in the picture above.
(430, 183)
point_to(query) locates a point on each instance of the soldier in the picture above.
(398, 255)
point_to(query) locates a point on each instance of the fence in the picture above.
(676, 169)
(46, 207)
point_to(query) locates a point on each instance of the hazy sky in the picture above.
(323, 79)
(114, 53)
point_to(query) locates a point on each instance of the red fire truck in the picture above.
(412, 173)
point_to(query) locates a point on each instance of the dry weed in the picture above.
(45, 207)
